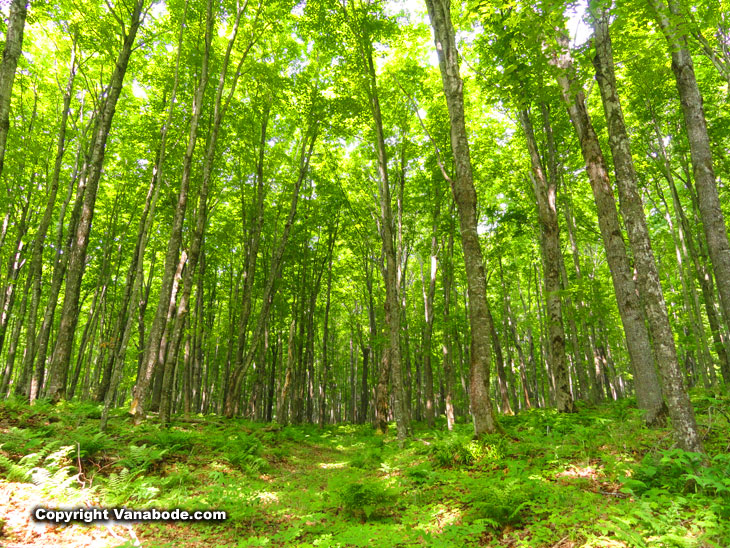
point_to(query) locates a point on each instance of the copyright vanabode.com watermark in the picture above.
(93, 515)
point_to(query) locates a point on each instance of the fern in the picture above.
(244, 451)
(14, 472)
(141, 457)
(367, 499)
(90, 443)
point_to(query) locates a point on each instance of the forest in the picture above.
(366, 272)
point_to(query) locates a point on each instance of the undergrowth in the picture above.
(596, 478)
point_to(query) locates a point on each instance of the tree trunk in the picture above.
(237, 376)
(11, 54)
(165, 308)
(325, 329)
(36, 263)
(391, 363)
(546, 193)
(196, 244)
(713, 221)
(447, 276)
(77, 257)
(680, 408)
(506, 407)
(648, 391)
(462, 186)
(429, 291)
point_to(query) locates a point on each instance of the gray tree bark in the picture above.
(11, 54)
(36, 263)
(165, 308)
(546, 194)
(462, 186)
(680, 408)
(196, 245)
(648, 391)
(62, 352)
(713, 221)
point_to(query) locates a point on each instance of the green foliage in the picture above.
(173, 439)
(668, 469)
(367, 459)
(342, 486)
(506, 501)
(678, 471)
(89, 442)
(244, 451)
(141, 458)
(127, 487)
(367, 499)
(73, 411)
(423, 474)
(50, 468)
(13, 471)
(181, 476)
(20, 441)
(457, 451)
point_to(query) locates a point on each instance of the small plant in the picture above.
(503, 502)
(367, 460)
(423, 474)
(244, 451)
(74, 411)
(366, 499)
(21, 441)
(89, 443)
(181, 476)
(456, 452)
(50, 469)
(141, 458)
(174, 439)
(127, 486)
(673, 470)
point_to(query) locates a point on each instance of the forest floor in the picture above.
(597, 478)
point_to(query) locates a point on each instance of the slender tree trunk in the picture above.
(713, 221)
(648, 391)
(509, 321)
(698, 257)
(546, 193)
(15, 263)
(462, 186)
(429, 291)
(391, 365)
(325, 329)
(11, 54)
(77, 257)
(254, 241)
(134, 280)
(237, 376)
(506, 407)
(447, 276)
(14, 339)
(196, 244)
(36, 263)
(165, 308)
(680, 408)
(282, 412)
(36, 379)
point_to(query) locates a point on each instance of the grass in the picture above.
(594, 479)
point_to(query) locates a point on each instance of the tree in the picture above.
(680, 408)
(462, 186)
(89, 184)
(11, 53)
